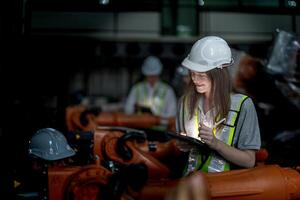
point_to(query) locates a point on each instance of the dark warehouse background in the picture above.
(50, 50)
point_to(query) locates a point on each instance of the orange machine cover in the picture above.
(266, 182)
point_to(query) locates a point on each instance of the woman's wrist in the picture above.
(217, 145)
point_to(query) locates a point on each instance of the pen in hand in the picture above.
(218, 123)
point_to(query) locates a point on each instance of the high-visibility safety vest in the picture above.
(214, 162)
(155, 102)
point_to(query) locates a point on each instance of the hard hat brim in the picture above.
(151, 73)
(195, 66)
(203, 68)
(51, 157)
(59, 157)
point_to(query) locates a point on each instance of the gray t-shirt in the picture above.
(247, 133)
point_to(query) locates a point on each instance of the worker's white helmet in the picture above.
(208, 53)
(151, 66)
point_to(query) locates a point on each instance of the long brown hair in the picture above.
(221, 89)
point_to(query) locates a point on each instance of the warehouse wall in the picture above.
(244, 27)
(234, 26)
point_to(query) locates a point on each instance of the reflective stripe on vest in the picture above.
(158, 98)
(215, 162)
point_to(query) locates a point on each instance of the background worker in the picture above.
(208, 101)
(152, 94)
(181, 80)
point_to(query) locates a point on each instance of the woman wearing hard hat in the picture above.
(227, 123)
(152, 94)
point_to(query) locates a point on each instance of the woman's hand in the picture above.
(207, 136)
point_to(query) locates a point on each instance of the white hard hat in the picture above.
(208, 53)
(50, 144)
(151, 66)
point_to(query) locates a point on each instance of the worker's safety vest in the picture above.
(155, 102)
(214, 162)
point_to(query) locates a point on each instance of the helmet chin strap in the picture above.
(226, 65)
